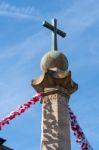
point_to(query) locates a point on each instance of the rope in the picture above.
(78, 132)
(19, 110)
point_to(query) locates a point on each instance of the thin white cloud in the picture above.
(26, 47)
(20, 13)
(79, 16)
(76, 19)
(25, 52)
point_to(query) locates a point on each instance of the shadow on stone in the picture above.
(50, 127)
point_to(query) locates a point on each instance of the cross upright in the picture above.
(55, 31)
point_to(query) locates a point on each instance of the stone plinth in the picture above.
(57, 86)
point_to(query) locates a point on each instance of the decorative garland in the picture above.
(81, 138)
(20, 110)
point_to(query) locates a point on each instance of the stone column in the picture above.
(56, 85)
(55, 121)
(56, 89)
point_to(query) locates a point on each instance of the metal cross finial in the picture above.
(56, 31)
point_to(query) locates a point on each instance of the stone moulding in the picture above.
(53, 79)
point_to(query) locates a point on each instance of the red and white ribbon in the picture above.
(20, 110)
(80, 136)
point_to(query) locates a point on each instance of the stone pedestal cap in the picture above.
(52, 79)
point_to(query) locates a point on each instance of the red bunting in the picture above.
(79, 134)
(19, 110)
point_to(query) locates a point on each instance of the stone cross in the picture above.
(53, 27)
(56, 86)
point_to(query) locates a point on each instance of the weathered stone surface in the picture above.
(53, 78)
(54, 59)
(55, 122)
(57, 86)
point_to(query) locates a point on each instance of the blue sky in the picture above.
(22, 45)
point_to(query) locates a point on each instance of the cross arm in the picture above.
(49, 26)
